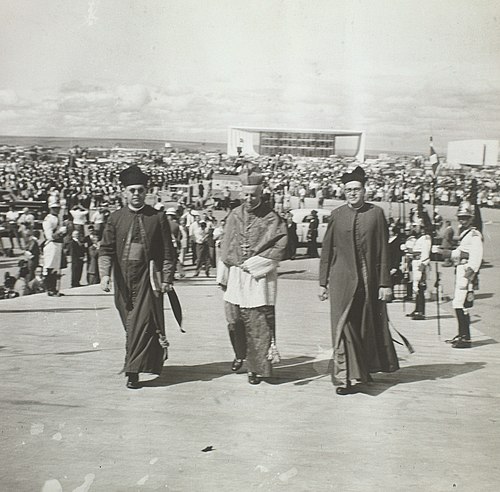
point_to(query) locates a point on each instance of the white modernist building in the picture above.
(473, 152)
(307, 143)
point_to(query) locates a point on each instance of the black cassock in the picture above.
(130, 240)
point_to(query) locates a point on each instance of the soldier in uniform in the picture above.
(420, 260)
(467, 257)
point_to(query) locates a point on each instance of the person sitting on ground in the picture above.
(37, 284)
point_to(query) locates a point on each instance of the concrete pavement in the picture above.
(69, 423)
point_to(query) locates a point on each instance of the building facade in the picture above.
(305, 143)
(473, 152)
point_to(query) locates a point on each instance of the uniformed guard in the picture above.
(421, 257)
(467, 257)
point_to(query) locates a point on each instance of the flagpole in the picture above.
(434, 160)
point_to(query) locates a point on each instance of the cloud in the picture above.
(132, 97)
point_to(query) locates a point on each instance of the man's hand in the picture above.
(385, 294)
(222, 287)
(106, 283)
(166, 287)
(421, 267)
(323, 294)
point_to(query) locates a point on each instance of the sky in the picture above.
(400, 70)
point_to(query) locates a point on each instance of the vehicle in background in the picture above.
(302, 217)
(177, 192)
(220, 185)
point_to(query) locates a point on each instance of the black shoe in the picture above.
(454, 339)
(196, 274)
(253, 378)
(410, 315)
(461, 343)
(418, 317)
(237, 363)
(345, 390)
(133, 381)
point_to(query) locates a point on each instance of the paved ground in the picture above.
(69, 423)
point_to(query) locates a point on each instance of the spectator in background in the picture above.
(226, 202)
(77, 252)
(175, 230)
(37, 284)
(12, 216)
(293, 240)
(31, 253)
(54, 232)
(26, 223)
(79, 215)
(21, 284)
(195, 226)
(99, 220)
(312, 235)
(92, 260)
(202, 237)
(447, 243)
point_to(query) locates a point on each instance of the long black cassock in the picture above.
(130, 240)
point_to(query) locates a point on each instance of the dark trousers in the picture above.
(51, 279)
(463, 323)
(202, 257)
(193, 251)
(420, 301)
(76, 272)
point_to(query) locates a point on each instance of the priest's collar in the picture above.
(134, 209)
(357, 209)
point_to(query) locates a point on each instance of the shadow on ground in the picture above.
(304, 370)
(51, 310)
(485, 295)
(413, 374)
(289, 370)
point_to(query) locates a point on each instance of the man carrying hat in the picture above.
(254, 241)
(355, 273)
(136, 244)
(467, 258)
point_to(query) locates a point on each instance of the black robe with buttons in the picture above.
(130, 240)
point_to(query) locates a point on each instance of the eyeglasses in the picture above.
(136, 190)
(349, 191)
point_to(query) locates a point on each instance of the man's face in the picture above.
(465, 221)
(136, 195)
(251, 196)
(38, 271)
(354, 193)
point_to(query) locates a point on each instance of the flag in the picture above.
(433, 159)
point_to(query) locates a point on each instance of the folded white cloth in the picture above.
(258, 266)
